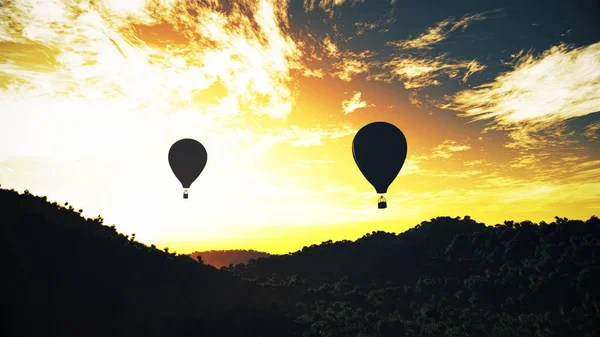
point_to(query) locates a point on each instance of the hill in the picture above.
(72, 276)
(447, 277)
(222, 258)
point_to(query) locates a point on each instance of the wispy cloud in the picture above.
(419, 72)
(382, 24)
(347, 64)
(328, 5)
(427, 164)
(410, 65)
(318, 73)
(440, 31)
(416, 68)
(527, 160)
(539, 93)
(354, 103)
(592, 131)
(448, 148)
(306, 137)
(244, 46)
(5, 170)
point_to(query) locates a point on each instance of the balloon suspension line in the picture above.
(185, 194)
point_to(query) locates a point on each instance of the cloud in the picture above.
(411, 165)
(363, 27)
(538, 95)
(331, 48)
(417, 69)
(414, 69)
(448, 148)
(328, 5)
(425, 40)
(413, 98)
(162, 70)
(346, 64)
(419, 72)
(592, 130)
(347, 68)
(445, 150)
(113, 50)
(440, 31)
(354, 103)
(318, 73)
(5, 170)
(417, 163)
(525, 161)
(382, 24)
(307, 137)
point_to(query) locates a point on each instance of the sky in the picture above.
(499, 102)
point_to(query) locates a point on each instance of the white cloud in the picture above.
(354, 103)
(539, 93)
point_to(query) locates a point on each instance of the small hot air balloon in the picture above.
(379, 150)
(187, 158)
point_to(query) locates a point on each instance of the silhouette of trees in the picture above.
(73, 276)
(448, 276)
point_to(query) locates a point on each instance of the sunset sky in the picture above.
(499, 102)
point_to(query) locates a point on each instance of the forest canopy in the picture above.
(448, 276)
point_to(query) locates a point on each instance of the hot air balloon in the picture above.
(187, 158)
(379, 150)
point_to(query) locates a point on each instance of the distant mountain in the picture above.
(65, 275)
(220, 258)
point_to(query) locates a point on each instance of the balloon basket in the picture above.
(185, 194)
(381, 204)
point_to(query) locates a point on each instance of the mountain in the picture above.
(221, 258)
(66, 275)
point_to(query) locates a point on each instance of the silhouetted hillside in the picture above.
(368, 258)
(220, 258)
(70, 276)
(447, 277)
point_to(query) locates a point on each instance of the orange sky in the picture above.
(93, 96)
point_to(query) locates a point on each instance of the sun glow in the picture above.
(93, 94)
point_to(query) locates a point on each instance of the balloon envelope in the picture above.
(379, 150)
(187, 158)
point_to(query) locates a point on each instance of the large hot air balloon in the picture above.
(379, 150)
(187, 158)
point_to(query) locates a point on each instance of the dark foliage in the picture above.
(71, 276)
(447, 277)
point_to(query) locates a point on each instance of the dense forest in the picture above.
(224, 258)
(72, 276)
